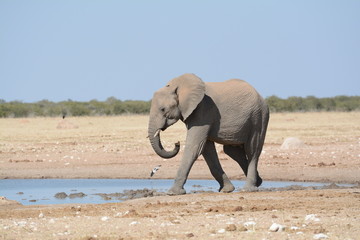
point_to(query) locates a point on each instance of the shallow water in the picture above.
(42, 191)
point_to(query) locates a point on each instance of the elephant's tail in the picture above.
(265, 122)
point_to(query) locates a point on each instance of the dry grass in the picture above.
(123, 132)
(97, 147)
(131, 131)
(314, 128)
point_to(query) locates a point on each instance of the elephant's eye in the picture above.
(162, 109)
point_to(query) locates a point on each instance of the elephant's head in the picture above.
(177, 100)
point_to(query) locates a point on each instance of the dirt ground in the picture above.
(117, 147)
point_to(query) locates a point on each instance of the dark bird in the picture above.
(155, 170)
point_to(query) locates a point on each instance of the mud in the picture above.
(130, 194)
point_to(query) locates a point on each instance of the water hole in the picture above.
(95, 191)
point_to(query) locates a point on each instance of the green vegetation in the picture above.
(110, 107)
(113, 106)
(313, 104)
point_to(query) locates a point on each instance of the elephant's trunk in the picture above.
(154, 136)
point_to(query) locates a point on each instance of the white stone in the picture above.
(292, 143)
(105, 218)
(221, 231)
(320, 236)
(20, 223)
(250, 226)
(166, 224)
(250, 223)
(312, 217)
(134, 223)
(276, 228)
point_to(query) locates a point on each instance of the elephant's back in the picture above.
(233, 90)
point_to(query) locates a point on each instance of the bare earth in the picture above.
(117, 147)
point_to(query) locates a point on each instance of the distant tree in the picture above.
(275, 103)
(19, 109)
(294, 104)
(118, 108)
(137, 107)
(4, 110)
(99, 108)
(327, 104)
(77, 108)
(345, 103)
(312, 103)
(113, 106)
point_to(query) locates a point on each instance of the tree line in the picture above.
(113, 106)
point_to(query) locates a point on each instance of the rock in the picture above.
(61, 195)
(190, 235)
(332, 186)
(312, 217)
(231, 227)
(242, 229)
(77, 195)
(238, 209)
(320, 236)
(276, 228)
(292, 143)
(105, 218)
(320, 229)
(222, 230)
(250, 225)
(134, 223)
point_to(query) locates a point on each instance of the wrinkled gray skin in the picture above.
(231, 113)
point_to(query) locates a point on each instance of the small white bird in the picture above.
(155, 170)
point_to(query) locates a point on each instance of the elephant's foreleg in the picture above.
(194, 146)
(216, 170)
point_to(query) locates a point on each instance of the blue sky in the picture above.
(84, 50)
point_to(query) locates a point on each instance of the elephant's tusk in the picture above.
(157, 133)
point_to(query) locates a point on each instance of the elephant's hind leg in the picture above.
(253, 150)
(238, 154)
(218, 173)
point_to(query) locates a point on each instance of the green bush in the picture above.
(311, 104)
(113, 106)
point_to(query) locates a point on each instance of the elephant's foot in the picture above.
(228, 188)
(250, 188)
(259, 181)
(176, 191)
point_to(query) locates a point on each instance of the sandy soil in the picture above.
(116, 147)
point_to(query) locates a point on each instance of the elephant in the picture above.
(231, 113)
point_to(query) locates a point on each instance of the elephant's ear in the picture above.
(190, 90)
